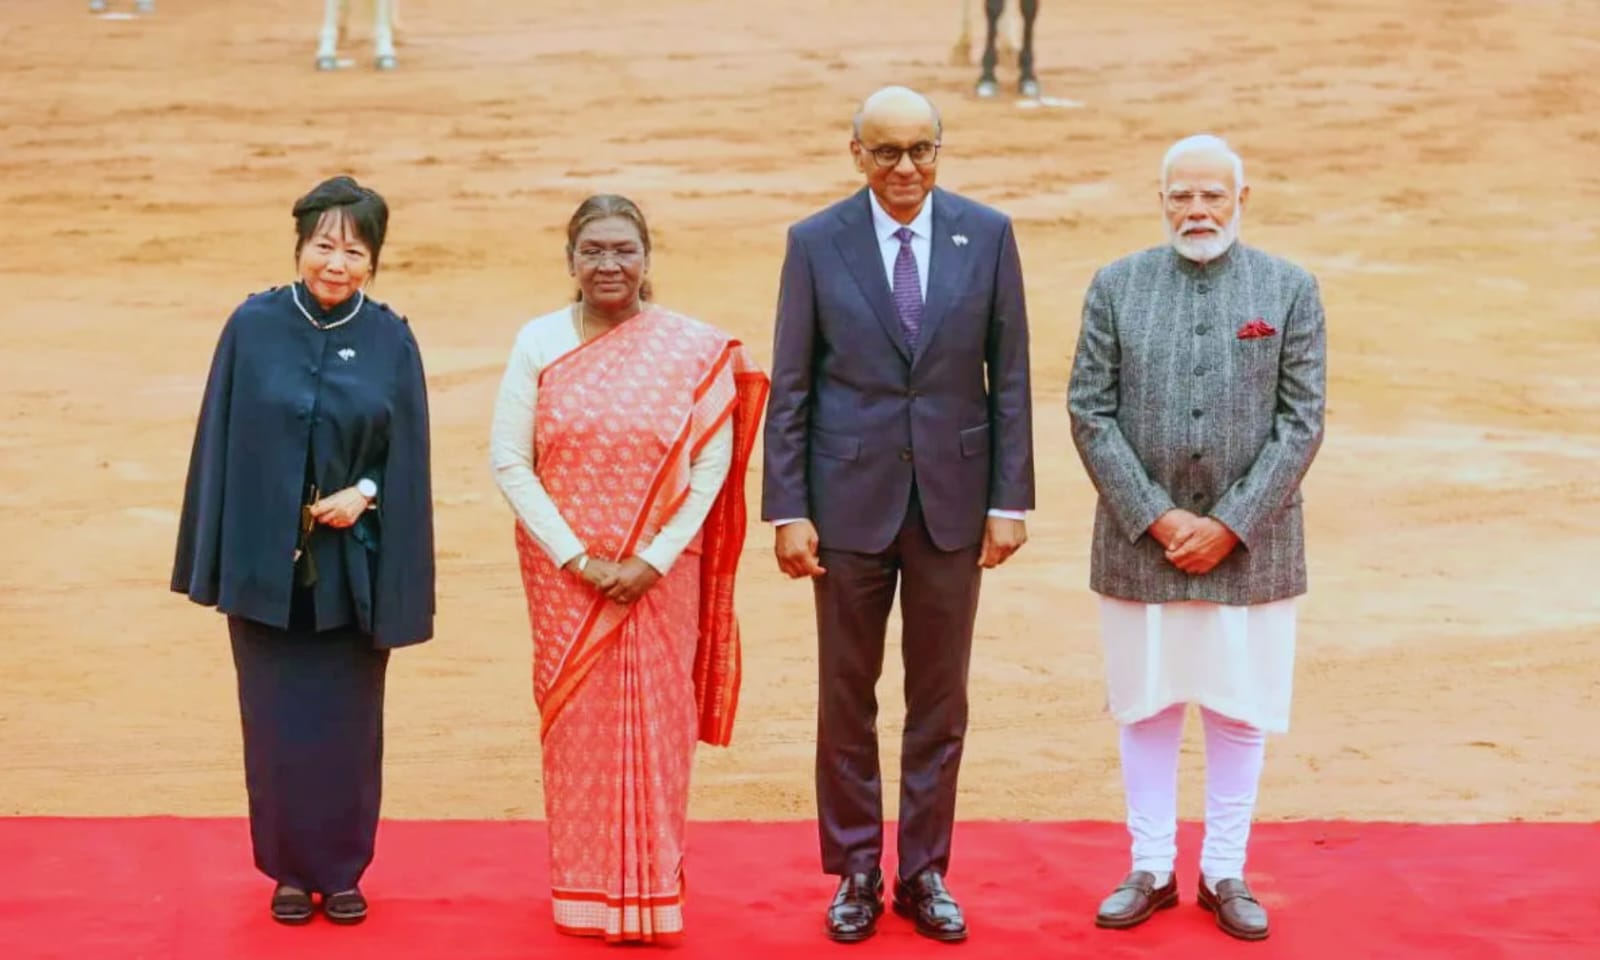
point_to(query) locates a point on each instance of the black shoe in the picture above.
(926, 902)
(857, 904)
(291, 905)
(345, 907)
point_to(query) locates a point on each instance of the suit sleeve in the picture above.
(1093, 399)
(403, 602)
(1297, 425)
(784, 493)
(1010, 395)
(197, 567)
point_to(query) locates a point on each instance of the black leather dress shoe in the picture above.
(857, 904)
(926, 902)
(1239, 913)
(1135, 899)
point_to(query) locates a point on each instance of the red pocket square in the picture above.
(1256, 329)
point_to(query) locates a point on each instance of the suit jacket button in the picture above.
(1203, 288)
(906, 454)
(1198, 413)
(1195, 455)
(1202, 329)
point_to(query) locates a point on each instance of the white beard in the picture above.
(1207, 249)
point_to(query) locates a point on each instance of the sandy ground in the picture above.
(1434, 163)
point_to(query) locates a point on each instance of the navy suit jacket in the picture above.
(855, 419)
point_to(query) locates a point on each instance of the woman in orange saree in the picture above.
(621, 438)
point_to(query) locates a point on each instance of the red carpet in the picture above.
(173, 889)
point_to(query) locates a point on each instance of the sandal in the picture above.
(291, 905)
(346, 907)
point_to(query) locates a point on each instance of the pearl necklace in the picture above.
(361, 298)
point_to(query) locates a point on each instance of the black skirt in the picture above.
(312, 708)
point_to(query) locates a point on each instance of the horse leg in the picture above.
(1027, 82)
(328, 42)
(1008, 34)
(961, 53)
(988, 86)
(383, 36)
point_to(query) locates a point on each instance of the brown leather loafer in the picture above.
(926, 902)
(857, 904)
(1135, 900)
(1239, 913)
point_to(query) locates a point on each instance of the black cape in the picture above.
(285, 399)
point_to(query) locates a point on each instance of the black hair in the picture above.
(362, 210)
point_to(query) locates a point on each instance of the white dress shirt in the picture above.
(921, 226)
(511, 455)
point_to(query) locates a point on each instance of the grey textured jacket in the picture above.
(1172, 408)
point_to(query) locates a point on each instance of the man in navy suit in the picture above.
(899, 448)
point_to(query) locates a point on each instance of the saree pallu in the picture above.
(625, 691)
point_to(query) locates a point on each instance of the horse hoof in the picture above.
(988, 89)
(1029, 87)
(386, 62)
(327, 63)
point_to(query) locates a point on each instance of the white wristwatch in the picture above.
(583, 561)
(367, 488)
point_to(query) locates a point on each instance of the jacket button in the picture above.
(1198, 497)
(1199, 371)
(1202, 329)
(1195, 455)
(1203, 288)
(1198, 413)
(906, 454)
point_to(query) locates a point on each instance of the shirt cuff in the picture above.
(788, 520)
(1009, 514)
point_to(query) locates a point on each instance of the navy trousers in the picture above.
(312, 708)
(938, 605)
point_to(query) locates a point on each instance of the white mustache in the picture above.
(1189, 228)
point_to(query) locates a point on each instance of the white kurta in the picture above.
(542, 341)
(1234, 660)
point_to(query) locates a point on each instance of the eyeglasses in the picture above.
(923, 154)
(1213, 199)
(621, 256)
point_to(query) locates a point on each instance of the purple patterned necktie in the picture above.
(907, 289)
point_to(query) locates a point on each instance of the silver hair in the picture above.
(1207, 143)
(861, 111)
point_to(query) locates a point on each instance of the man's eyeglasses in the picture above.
(621, 256)
(923, 154)
(1213, 199)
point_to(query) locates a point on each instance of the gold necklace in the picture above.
(581, 321)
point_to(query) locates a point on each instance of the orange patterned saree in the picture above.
(624, 691)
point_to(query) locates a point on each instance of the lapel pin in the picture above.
(960, 239)
(347, 354)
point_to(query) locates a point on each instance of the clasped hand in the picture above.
(340, 510)
(622, 582)
(1193, 544)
